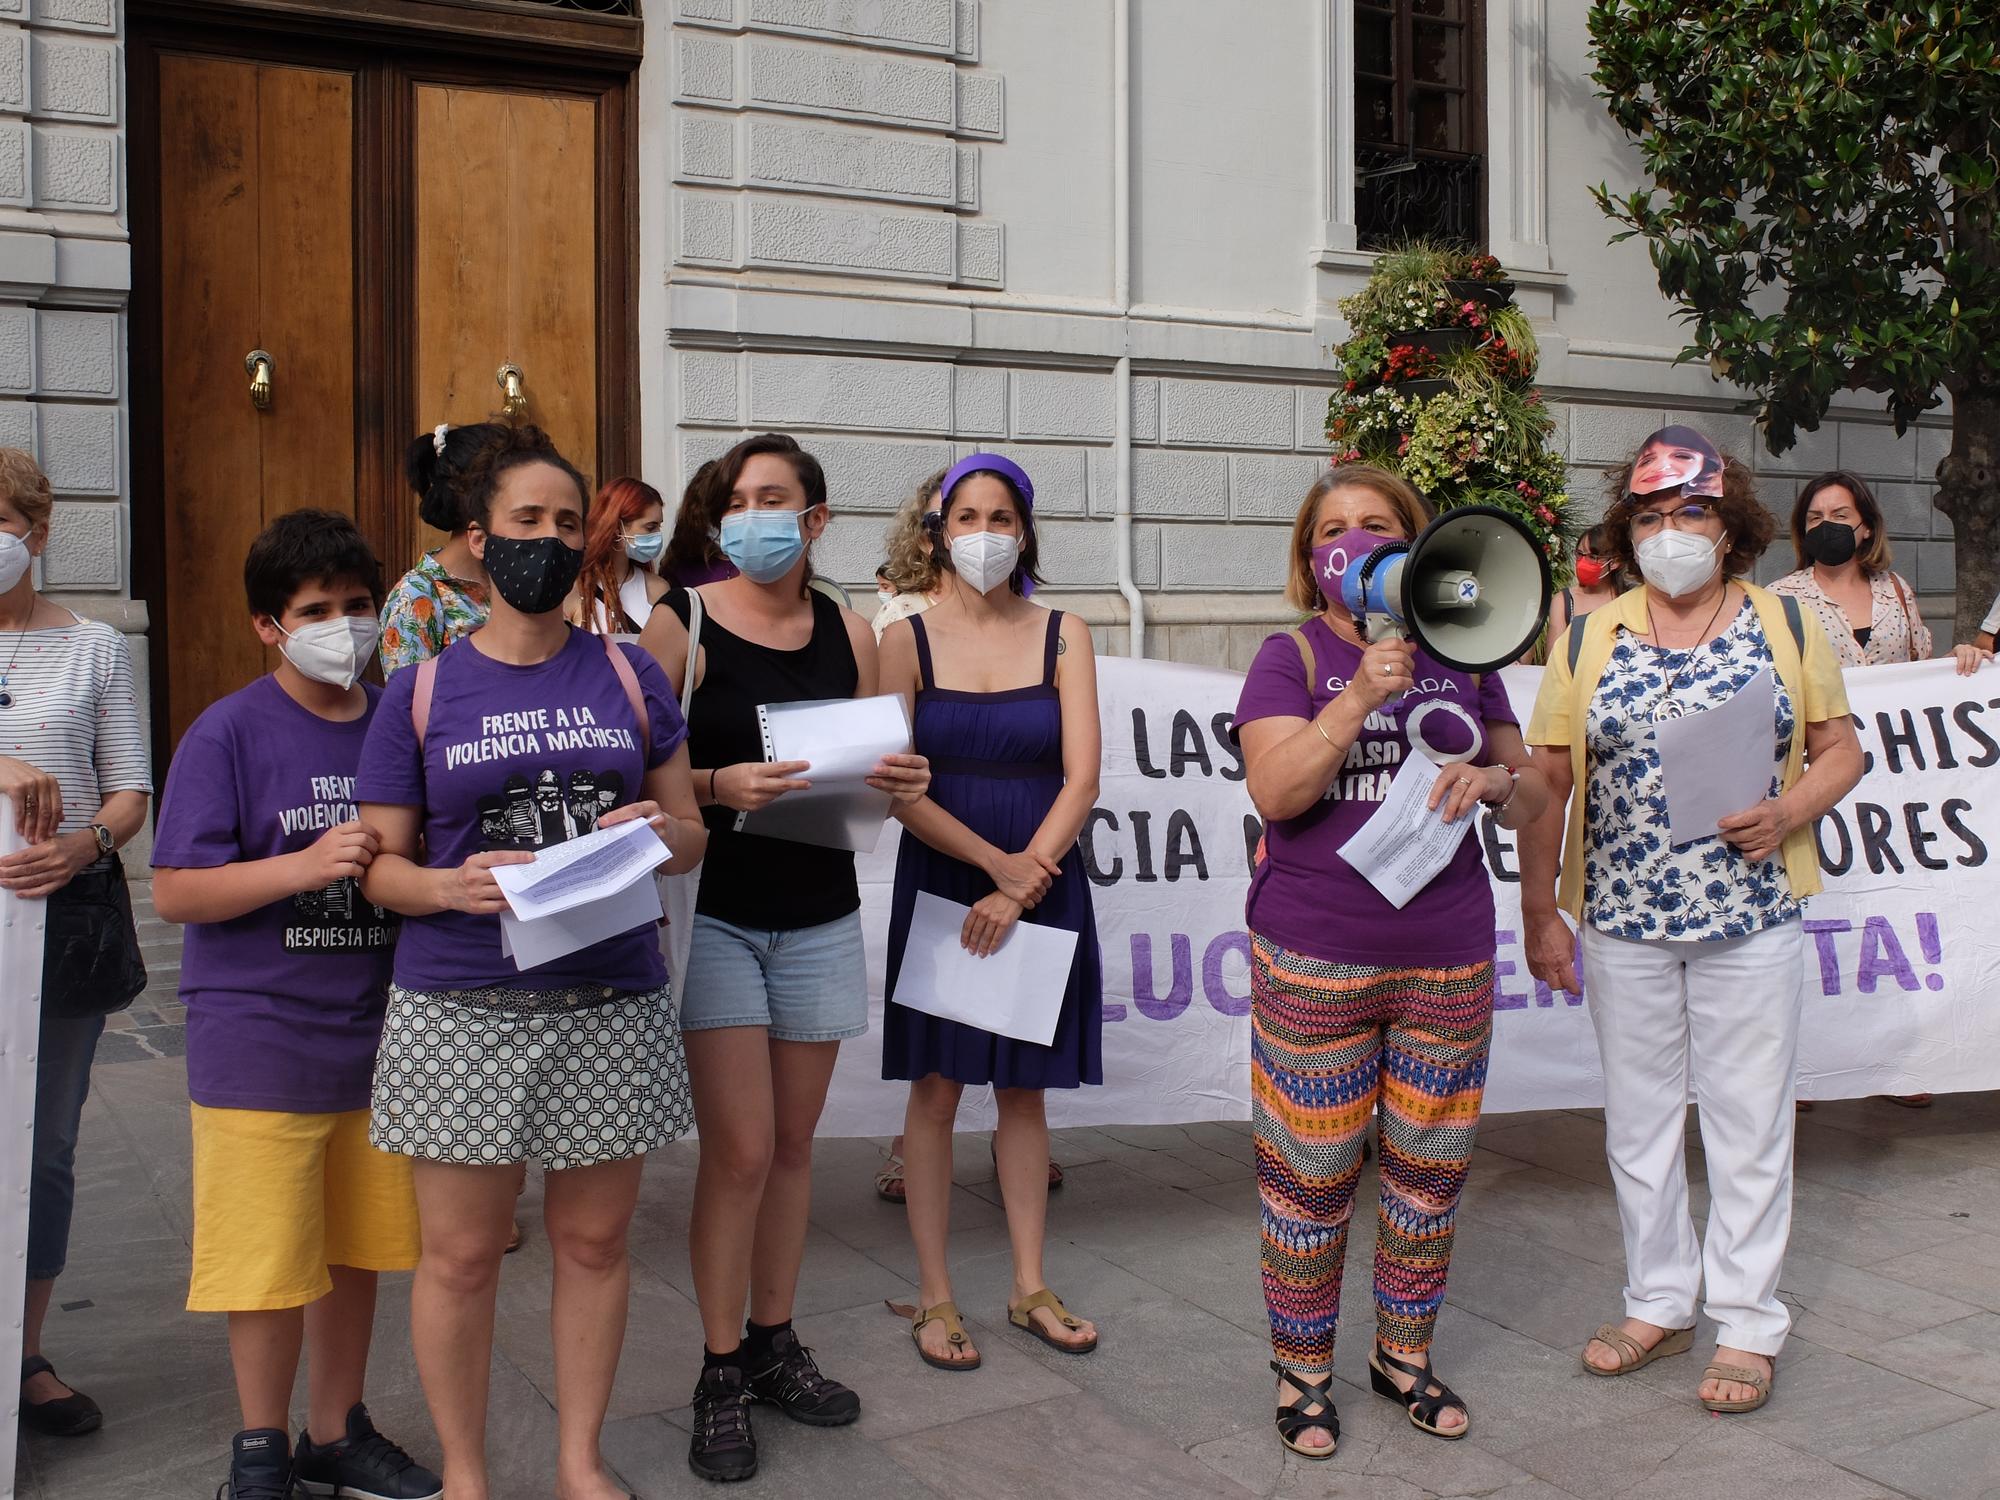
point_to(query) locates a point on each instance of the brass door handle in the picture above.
(514, 384)
(260, 364)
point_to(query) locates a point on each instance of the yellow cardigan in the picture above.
(1811, 676)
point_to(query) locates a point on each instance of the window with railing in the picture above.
(1419, 115)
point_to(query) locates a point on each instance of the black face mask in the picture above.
(1830, 544)
(534, 574)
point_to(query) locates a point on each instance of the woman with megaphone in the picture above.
(1357, 998)
(1693, 946)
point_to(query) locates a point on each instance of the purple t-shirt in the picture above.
(284, 1003)
(1303, 895)
(517, 758)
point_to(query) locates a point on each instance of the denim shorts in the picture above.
(807, 985)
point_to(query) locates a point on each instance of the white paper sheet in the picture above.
(580, 892)
(544, 938)
(581, 870)
(1016, 990)
(841, 740)
(1719, 761)
(1401, 849)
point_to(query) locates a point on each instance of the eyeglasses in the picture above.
(1682, 517)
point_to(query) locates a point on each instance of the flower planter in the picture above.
(1421, 390)
(1487, 293)
(1438, 340)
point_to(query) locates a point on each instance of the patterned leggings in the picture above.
(1327, 1041)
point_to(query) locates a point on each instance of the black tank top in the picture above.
(748, 881)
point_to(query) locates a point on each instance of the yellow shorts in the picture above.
(280, 1197)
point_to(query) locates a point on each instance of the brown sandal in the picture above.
(947, 1314)
(1740, 1375)
(1633, 1355)
(889, 1181)
(1021, 1315)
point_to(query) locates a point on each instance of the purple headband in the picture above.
(990, 463)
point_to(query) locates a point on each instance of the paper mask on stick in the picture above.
(1676, 456)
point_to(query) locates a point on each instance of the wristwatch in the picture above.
(106, 844)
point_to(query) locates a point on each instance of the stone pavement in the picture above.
(1889, 1386)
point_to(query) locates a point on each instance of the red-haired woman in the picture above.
(619, 586)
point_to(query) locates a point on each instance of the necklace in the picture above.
(6, 693)
(1670, 707)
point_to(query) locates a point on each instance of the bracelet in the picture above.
(1324, 735)
(1513, 786)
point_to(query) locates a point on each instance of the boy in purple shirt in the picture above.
(285, 977)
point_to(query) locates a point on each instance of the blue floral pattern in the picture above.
(1636, 885)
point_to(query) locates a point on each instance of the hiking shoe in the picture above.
(260, 1467)
(790, 1381)
(363, 1465)
(723, 1447)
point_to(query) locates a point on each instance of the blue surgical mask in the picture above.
(763, 544)
(646, 547)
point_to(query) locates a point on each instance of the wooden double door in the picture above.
(339, 247)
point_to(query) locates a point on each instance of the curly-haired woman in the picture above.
(1694, 953)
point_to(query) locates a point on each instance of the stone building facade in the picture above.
(905, 231)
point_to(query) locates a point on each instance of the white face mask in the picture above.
(1678, 562)
(985, 559)
(14, 560)
(335, 652)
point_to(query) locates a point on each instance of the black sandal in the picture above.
(1294, 1419)
(1425, 1401)
(66, 1416)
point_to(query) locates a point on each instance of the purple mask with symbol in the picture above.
(1332, 559)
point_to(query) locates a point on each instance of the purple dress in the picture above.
(996, 766)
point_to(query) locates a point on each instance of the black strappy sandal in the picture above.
(1425, 1401)
(1294, 1419)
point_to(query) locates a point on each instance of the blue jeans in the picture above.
(806, 984)
(62, 1083)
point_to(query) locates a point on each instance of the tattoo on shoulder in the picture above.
(1062, 646)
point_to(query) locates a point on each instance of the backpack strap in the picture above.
(420, 700)
(1575, 639)
(629, 680)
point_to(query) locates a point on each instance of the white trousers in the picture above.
(1724, 1016)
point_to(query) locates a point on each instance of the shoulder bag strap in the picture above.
(1795, 621)
(1308, 655)
(697, 612)
(420, 700)
(1909, 620)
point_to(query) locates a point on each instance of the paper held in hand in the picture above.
(1719, 761)
(580, 892)
(841, 740)
(1401, 849)
(1016, 991)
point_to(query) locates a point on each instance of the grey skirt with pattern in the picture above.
(566, 1078)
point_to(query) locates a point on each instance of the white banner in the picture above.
(1903, 981)
(21, 925)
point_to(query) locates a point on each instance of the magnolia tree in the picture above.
(1822, 200)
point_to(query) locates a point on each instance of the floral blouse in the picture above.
(1896, 632)
(1636, 884)
(426, 611)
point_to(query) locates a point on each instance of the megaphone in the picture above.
(1472, 590)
